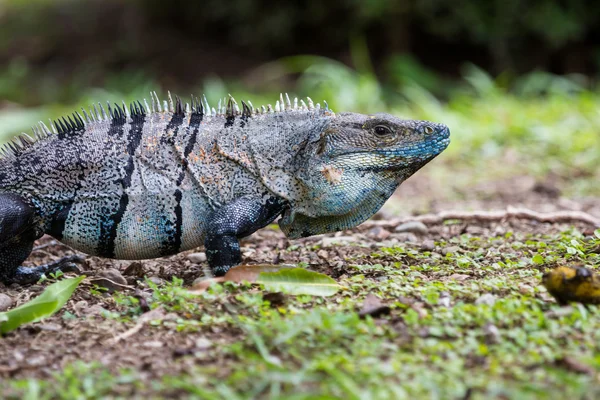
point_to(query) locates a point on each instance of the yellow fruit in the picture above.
(569, 284)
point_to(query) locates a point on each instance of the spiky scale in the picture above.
(178, 106)
(171, 109)
(246, 110)
(288, 103)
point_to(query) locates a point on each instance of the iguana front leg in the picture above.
(233, 221)
(17, 234)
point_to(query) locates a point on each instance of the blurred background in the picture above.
(515, 80)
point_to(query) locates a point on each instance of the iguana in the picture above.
(154, 180)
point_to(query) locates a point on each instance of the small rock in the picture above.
(492, 334)
(36, 361)
(110, 279)
(379, 233)
(134, 269)
(328, 241)
(444, 299)
(203, 343)
(525, 289)
(406, 237)
(428, 245)
(450, 250)
(459, 277)
(95, 309)
(156, 280)
(487, 298)
(155, 344)
(374, 307)
(415, 227)
(197, 258)
(323, 254)
(50, 327)
(5, 302)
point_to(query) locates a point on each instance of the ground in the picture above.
(455, 310)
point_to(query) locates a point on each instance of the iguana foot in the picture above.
(28, 275)
(235, 220)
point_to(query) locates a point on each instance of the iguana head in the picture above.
(354, 165)
(381, 143)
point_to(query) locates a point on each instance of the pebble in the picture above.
(203, 343)
(328, 241)
(156, 280)
(487, 298)
(197, 258)
(428, 245)
(110, 279)
(450, 249)
(134, 269)
(459, 277)
(444, 299)
(416, 227)
(379, 233)
(406, 237)
(323, 254)
(5, 302)
(492, 334)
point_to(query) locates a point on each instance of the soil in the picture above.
(82, 332)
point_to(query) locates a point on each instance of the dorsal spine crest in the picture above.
(227, 108)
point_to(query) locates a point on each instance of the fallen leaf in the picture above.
(250, 273)
(202, 286)
(276, 278)
(50, 301)
(299, 281)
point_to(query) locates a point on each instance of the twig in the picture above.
(51, 243)
(157, 313)
(492, 216)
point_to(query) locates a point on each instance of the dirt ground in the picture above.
(82, 332)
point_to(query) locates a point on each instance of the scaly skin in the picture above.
(156, 181)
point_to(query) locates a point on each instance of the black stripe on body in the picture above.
(173, 242)
(174, 124)
(174, 228)
(229, 120)
(59, 219)
(195, 121)
(110, 223)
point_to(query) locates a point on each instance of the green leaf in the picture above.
(299, 281)
(54, 297)
(537, 259)
(597, 233)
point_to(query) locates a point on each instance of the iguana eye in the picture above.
(428, 130)
(381, 130)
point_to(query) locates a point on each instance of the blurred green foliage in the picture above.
(199, 38)
(410, 58)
